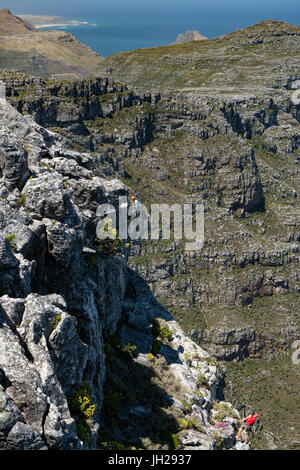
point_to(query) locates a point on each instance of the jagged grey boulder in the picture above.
(13, 162)
(7, 259)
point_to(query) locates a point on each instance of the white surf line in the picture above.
(75, 23)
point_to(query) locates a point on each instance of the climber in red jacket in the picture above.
(248, 422)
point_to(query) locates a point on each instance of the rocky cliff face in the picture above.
(74, 319)
(234, 145)
(194, 147)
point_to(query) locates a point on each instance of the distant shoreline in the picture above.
(55, 25)
(45, 21)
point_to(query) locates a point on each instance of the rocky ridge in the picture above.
(10, 24)
(45, 53)
(258, 57)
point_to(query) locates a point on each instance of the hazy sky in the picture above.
(242, 9)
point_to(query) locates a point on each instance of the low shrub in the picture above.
(109, 242)
(81, 403)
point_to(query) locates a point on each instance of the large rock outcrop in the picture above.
(61, 302)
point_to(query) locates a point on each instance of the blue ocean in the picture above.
(119, 25)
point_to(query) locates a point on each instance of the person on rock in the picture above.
(247, 425)
(134, 203)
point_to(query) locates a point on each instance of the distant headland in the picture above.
(189, 36)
